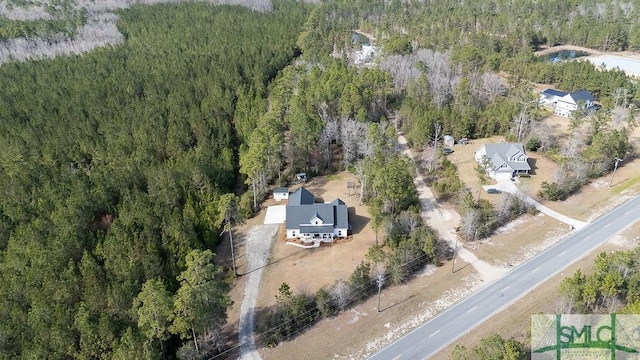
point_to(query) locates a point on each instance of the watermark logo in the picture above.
(611, 337)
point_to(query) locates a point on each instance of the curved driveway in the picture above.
(510, 187)
(431, 337)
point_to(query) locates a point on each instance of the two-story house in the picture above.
(503, 160)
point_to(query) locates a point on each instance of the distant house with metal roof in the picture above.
(315, 222)
(564, 104)
(551, 96)
(503, 160)
(569, 103)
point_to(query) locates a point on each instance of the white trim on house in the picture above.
(504, 159)
(312, 222)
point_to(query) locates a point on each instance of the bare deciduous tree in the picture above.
(352, 134)
(521, 123)
(469, 224)
(429, 158)
(362, 176)
(330, 133)
(543, 132)
(409, 221)
(492, 86)
(503, 210)
(340, 294)
(573, 145)
(580, 169)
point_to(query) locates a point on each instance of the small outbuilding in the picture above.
(448, 141)
(281, 193)
(301, 178)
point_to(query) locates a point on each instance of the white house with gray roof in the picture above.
(569, 103)
(503, 159)
(564, 104)
(313, 222)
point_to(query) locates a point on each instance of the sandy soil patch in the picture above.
(520, 240)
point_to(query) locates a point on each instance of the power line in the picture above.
(314, 308)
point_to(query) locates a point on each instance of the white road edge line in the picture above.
(434, 333)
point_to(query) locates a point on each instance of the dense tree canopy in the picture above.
(112, 165)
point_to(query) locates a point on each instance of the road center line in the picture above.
(434, 333)
(606, 226)
(475, 307)
(397, 357)
(504, 289)
(562, 253)
(536, 269)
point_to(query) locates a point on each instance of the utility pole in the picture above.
(233, 256)
(379, 281)
(455, 253)
(379, 291)
(615, 167)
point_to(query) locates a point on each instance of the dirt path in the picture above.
(258, 248)
(445, 220)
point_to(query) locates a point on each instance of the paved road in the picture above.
(442, 330)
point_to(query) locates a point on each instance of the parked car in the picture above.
(447, 151)
(493, 191)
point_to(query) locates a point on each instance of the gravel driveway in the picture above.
(258, 248)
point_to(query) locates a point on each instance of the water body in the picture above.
(360, 39)
(565, 55)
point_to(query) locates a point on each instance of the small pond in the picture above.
(566, 55)
(360, 39)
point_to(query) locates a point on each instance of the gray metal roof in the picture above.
(281, 190)
(342, 217)
(499, 155)
(301, 196)
(554, 92)
(332, 214)
(582, 95)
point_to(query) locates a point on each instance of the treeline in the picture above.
(611, 287)
(118, 165)
(494, 347)
(65, 19)
(11, 29)
(495, 30)
(311, 109)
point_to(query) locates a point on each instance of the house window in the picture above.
(293, 233)
(339, 232)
